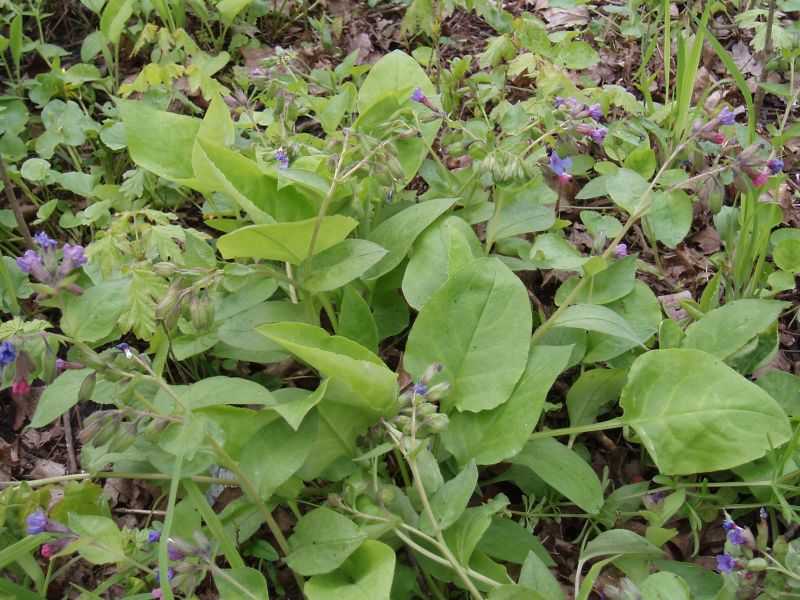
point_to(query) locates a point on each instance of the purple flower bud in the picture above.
(61, 364)
(728, 525)
(595, 112)
(775, 165)
(558, 164)
(29, 261)
(418, 96)
(736, 536)
(726, 116)
(7, 353)
(125, 349)
(170, 574)
(258, 72)
(153, 536)
(37, 522)
(598, 135)
(419, 388)
(726, 563)
(559, 101)
(621, 251)
(282, 158)
(45, 241)
(173, 553)
(763, 514)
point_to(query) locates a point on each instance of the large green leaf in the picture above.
(398, 232)
(322, 541)
(92, 316)
(242, 583)
(695, 414)
(593, 390)
(723, 331)
(171, 157)
(593, 317)
(285, 241)
(563, 470)
(366, 574)
(386, 89)
(226, 390)
(342, 263)
(619, 541)
(59, 396)
(627, 189)
(491, 436)
(478, 327)
(450, 501)
(671, 217)
(523, 217)
(114, 17)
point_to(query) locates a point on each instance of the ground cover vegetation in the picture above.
(437, 299)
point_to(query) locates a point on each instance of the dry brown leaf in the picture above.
(44, 468)
(559, 17)
(672, 304)
(744, 59)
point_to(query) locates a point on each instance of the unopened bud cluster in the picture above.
(419, 409)
(179, 300)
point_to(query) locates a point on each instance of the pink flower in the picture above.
(565, 177)
(20, 387)
(47, 551)
(759, 179)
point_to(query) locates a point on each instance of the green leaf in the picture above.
(322, 541)
(576, 55)
(139, 313)
(441, 250)
(642, 161)
(228, 9)
(537, 576)
(356, 321)
(463, 536)
(597, 318)
(705, 584)
(512, 591)
(619, 541)
(787, 255)
(58, 397)
(783, 387)
(102, 540)
(564, 471)
(398, 232)
(695, 414)
(478, 327)
(342, 263)
(665, 586)
(171, 157)
(671, 217)
(627, 189)
(285, 241)
(510, 542)
(725, 330)
(367, 573)
(606, 286)
(92, 316)
(294, 403)
(242, 583)
(213, 391)
(275, 453)
(395, 76)
(115, 15)
(594, 390)
(551, 251)
(523, 217)
(492, 436)
(449, 502)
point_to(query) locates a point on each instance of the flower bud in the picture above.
(87, 387)
(124, 437)
(757, 564)
(436, 423)
(109, 426)
(430, 372)
(154, 430)
(165, 269)
(439, 391)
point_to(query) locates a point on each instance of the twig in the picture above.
(68, 440)
(12, 201)
(760, 91)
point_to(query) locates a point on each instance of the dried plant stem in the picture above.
(759, 98)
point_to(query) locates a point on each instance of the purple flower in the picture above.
(598, 135)
(170, 574)
(419, 388)
(736, 536)
(763, 514)
(45, 241)
(7, 353)
(282, 158)
(61, 364)
(37, 522)
(74, 254)
(595, 112)
(153, 536)
(559, 101)
(775, 165)
(726, 116)
(728, 525)
(29, 261)
(726, 563)
(621, 251)
(418, 95)
(125, 349)
(558, 164)
(173, 553)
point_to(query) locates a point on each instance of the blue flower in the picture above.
(153, 536)
(559, 101)
(419, 388)
(726, 563)
(775, 165)
(45, 241)
(29, 261)
(598, 135)
(736, 536)
(282, 158)
(170, 574)
(7, 353)
(728, 525)
(37, 522)
(726, 116)
(418, 95)
(595, 112)
(763, 514)
(174, 554)
(558, 164)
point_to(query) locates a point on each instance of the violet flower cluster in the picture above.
(577, 111)
(45, 268)
(22, 365)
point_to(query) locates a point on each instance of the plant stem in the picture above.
(602, 426)
(15, 206)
